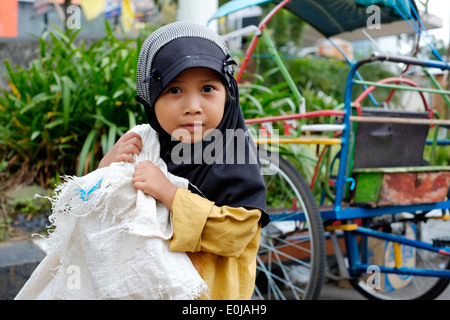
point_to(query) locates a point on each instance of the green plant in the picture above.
(5, 223)
(260, 100)
(263, 98)
(22, 212)
(68, 107)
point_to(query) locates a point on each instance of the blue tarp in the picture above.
(330, 17)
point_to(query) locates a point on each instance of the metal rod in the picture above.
(400, 120)
(406, 60)
(324, 141)
(311, 114)
(398, 239)
(283, 69)
(396, 86)
(255, 39)
(404, 270)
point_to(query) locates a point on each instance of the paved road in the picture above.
(332, 291)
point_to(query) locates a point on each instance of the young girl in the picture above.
(185, 83)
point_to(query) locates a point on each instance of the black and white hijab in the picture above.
(229, 173)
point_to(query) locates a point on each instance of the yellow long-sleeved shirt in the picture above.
(222, 242)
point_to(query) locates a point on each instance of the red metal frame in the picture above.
(365, 93)
(311, 114)
(252, 46)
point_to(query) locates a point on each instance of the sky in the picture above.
(440, 8)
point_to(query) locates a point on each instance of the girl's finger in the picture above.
(130, 135)
(129, 149)
(143, 164)
(126, 158)
(136, 141)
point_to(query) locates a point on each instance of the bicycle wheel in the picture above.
(425, 227)
(291, 257)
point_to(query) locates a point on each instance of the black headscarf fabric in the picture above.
(224, 166)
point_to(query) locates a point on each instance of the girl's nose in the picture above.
(192, 105)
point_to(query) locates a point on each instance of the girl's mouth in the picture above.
(193, 126)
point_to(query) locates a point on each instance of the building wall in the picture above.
(31, 25)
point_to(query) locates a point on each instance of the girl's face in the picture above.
(191, 104)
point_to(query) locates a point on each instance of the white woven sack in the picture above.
(111, 241)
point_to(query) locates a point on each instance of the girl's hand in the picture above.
(130, 143)
(152, 181)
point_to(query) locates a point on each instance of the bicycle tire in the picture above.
(284, 257)
(419, 288)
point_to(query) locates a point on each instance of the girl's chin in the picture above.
(189, 137)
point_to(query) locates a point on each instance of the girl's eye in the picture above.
(208, 89)
(174, 90)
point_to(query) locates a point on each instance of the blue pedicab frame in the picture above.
(356, 253)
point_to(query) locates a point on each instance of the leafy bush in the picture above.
(68, 108)
(326, 74)
(265, 97)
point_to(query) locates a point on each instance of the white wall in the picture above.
(198, 11)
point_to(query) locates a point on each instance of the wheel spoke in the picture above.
(291, 257)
